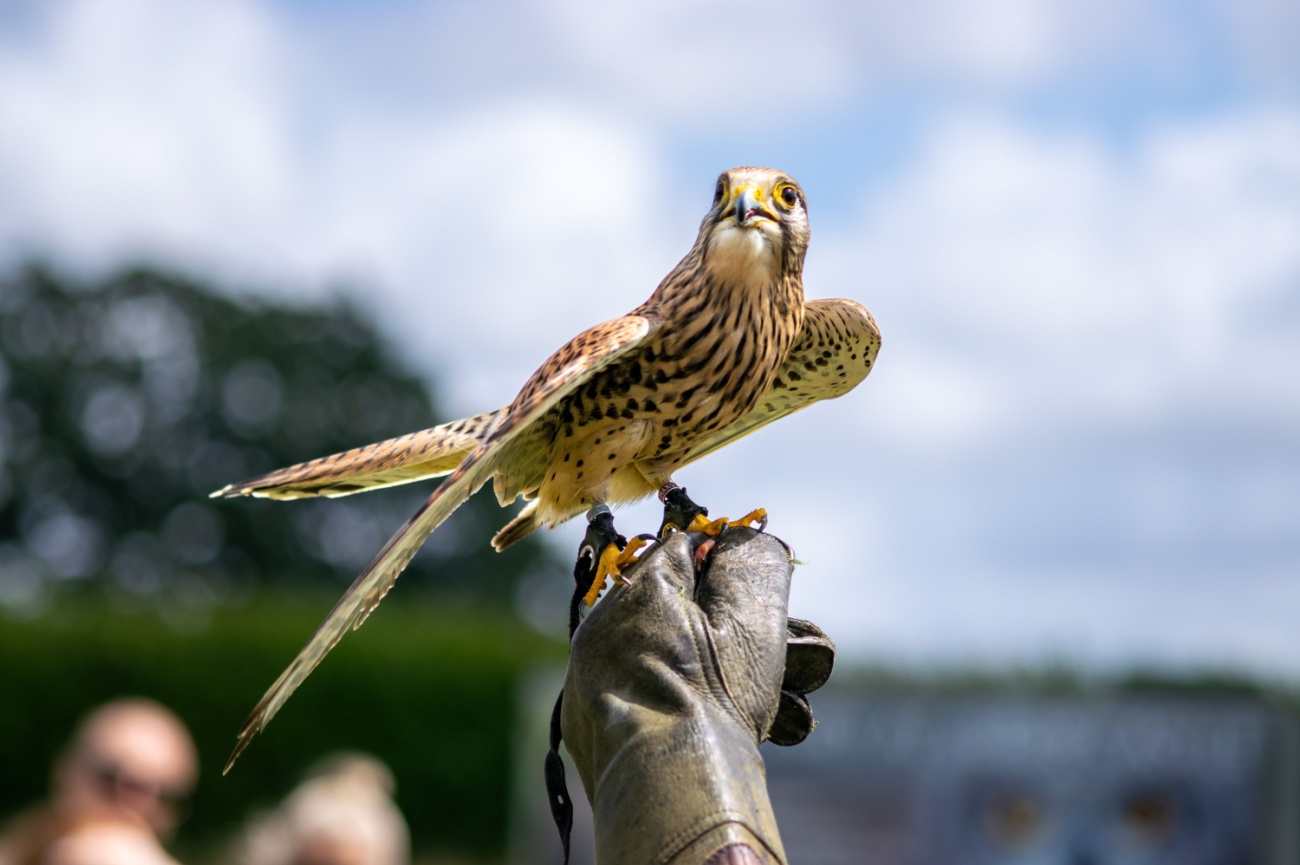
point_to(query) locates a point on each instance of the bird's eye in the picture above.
(788, 195)
(717, 193)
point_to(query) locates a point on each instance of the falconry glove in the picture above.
(674, 680)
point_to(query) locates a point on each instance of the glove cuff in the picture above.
(706, 788)
(728, 844)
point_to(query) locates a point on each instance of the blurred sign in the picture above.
(1005, 779)
(998, 779)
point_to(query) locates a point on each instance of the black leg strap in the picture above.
(557, 792)
(600, 534)
(679, 511)
(582, 576)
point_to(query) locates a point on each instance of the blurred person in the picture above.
(341, 814)
(117, 793)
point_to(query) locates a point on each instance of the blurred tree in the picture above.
(123, 403)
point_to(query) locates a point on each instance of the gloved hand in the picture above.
(673, 682)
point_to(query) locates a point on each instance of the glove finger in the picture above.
(809, 657)
(746, 576)
(742, 593)
(794, 720)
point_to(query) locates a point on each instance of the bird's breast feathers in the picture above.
(746, 257)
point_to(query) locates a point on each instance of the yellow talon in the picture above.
(627, 557)
(714, 528)
(611, 564)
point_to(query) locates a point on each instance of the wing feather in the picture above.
(835, 351)
(583, 357)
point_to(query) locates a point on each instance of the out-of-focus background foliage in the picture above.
(267, 229)
(125, 401)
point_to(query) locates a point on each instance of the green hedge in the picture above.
(429, 692)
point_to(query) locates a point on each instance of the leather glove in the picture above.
(673, 682)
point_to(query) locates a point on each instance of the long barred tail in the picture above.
(368, 590)
(425, 454)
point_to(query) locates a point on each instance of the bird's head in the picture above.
(757, 227)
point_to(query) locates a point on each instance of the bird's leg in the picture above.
(608, 551)
(682, 514)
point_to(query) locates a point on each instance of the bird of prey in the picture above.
(725, 345)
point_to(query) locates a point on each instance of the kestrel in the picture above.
(726, 344)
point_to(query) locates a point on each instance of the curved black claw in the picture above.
(679, 511)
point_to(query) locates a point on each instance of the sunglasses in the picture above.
(117, 784)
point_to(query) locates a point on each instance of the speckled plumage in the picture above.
(724, 345)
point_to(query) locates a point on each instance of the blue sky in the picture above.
(1078, 225)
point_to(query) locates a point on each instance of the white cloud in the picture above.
(1045, 303)
(497, 231)
(1128, 281)
(184, 137)
(141, 124)
(1264, 33)
(712, 63)
(1075, 333)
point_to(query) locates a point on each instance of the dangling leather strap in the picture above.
(557, 792)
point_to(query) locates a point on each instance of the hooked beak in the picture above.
(746, 206)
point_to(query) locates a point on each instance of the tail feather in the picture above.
(425, 454)
(517, 529)
(583, 357)
(367, 591)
